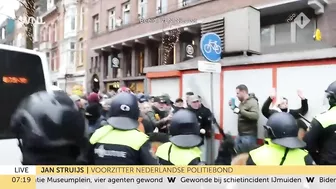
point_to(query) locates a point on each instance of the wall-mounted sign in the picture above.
(14, 80)
(115, 62)
(190, 51)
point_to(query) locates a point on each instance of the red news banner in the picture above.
(147, 177)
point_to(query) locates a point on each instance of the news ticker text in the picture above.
(85, 177)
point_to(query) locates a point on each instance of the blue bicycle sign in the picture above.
(211, 47)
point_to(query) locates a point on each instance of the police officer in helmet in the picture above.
(321, 137)
(50, 130)
(119, 142)
(282, 145)
(184, 141)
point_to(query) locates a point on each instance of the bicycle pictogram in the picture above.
(212, 46)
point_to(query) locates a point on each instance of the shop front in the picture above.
(136, 86)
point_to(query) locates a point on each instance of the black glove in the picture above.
(226, 151)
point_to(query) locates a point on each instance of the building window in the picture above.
(81, 21)
(36, 32)
(56, 33)
(126, 13)
(53, 33)
(111, 19)
(282, 33)
(46, 37)
(265, 35)
(42, 35)
(81, 53)
(142, 9)
(73, 23)
(96, 23)
(72, 52)
(53, 61)
(161, 6)
(141, 62)
(287, 33)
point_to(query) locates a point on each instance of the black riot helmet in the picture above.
(124, 112)
(48, 120)
(185, 129)
(331, 94)
(283, 130)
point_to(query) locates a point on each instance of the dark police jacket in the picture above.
(121, 147)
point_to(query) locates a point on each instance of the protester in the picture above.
(248, 115)
(79, 103)
(106, 104)
(148, 125)
(203, 116)
(282, 106)
(188, 94)
(178, 105)
(160, 116)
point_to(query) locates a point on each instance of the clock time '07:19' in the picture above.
(22, 179)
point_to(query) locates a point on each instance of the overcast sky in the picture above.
(7, 8)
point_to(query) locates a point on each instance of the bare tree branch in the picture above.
(23, 3)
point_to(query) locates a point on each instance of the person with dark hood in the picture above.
(94, 112)
(50, 130)
(282, 106)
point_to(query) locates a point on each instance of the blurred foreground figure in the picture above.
(184, 141)
(321, 138)
(50, 129)
(119, 142)
(282, 145)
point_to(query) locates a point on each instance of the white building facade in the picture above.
(68, 75)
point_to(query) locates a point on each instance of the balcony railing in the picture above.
(46, 45)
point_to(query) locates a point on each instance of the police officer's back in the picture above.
(282, 147)
(184, 141)
(119, 142)
(321, 138)
(51, 130)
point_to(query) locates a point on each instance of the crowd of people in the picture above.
(51, 129)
